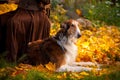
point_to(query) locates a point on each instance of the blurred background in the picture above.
(98, 11)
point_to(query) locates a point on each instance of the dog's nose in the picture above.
(79, 35)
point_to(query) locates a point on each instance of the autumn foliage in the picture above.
(97, 44)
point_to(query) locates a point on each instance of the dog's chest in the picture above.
(71, 53)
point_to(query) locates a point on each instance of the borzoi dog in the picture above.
(59, 49)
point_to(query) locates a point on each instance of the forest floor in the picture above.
(101, 45)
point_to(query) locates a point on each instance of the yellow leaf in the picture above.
(84, 73)
(50, 66)
(4, 8)
(76, 75)
(59, 77)
(64, 74)
(40, 68)
(85, 45)
(56, 17)
(79, 12)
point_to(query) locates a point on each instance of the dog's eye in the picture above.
(72, 25)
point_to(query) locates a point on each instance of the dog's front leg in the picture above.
(84, 64)
(69, 68)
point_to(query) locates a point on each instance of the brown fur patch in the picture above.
(42, 52)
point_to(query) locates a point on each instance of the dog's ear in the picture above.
(64, 26)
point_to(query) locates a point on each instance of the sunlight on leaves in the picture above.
(4, 8)
(50, 66)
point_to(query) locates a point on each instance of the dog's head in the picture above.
(70, 30)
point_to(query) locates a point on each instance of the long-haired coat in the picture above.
(59, 49)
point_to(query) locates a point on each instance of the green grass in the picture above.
(111, 76)
(102, 12)
(3, 62)
(36, 75)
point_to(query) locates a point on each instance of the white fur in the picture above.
(70, 47)
(77, 67)
(71, 53)
(72, 68)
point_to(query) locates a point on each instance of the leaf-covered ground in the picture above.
(100, 45)
(97, 44)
